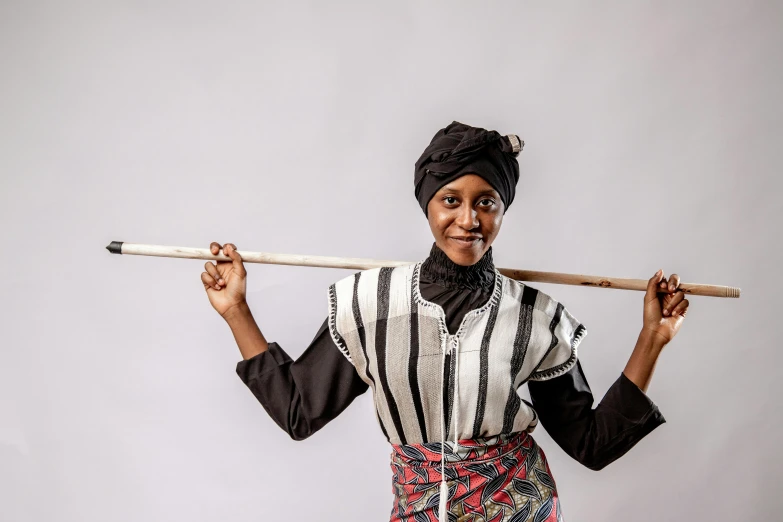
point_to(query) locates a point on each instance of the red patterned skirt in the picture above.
(498, 479)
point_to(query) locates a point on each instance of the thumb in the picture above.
(652, 286)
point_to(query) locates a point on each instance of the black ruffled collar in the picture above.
(439, 268)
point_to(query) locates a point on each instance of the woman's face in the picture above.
(465, 216)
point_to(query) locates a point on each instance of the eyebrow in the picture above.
(487, 192)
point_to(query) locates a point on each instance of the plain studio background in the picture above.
(652, 136)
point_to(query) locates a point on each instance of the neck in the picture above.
(439, 268)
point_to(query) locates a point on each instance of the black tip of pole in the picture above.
(115, 247)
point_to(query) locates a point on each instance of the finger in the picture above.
(214, 247)
(213, 272)
(225, 263)
(226, 247)
(675, 300)
(663, 282)
(681, 308)
(674, 282)
(652, 291)
(239, 267)
(209, 281)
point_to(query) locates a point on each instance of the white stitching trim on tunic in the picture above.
(556, 371)
(336, 337)
(497, 292)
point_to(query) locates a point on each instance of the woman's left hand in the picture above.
(664, 313)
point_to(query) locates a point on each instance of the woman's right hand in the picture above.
(226, 281)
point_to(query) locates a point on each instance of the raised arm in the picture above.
(662, 318)
(301, 396)
(598, 436)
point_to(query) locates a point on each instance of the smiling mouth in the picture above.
(466, 240)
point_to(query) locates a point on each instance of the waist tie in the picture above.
(451, 344)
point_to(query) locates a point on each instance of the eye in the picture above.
(450, 200)
(486, 202)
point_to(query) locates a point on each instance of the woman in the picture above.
(445, 343)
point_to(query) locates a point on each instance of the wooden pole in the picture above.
(353, 263)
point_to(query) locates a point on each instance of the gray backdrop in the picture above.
(652, 132)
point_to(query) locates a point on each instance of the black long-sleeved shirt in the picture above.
(302, 396)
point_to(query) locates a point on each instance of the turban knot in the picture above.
(460, 149)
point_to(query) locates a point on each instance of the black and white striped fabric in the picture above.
(424, 379)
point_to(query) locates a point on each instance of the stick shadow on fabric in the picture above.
(618, 283)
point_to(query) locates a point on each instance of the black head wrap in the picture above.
(460, 149)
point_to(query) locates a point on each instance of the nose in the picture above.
(467, 217)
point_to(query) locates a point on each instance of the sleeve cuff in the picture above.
(271, 359)
(629, 400)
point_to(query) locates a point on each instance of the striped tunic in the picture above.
(400, 346)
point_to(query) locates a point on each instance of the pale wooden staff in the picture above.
(354, 263)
